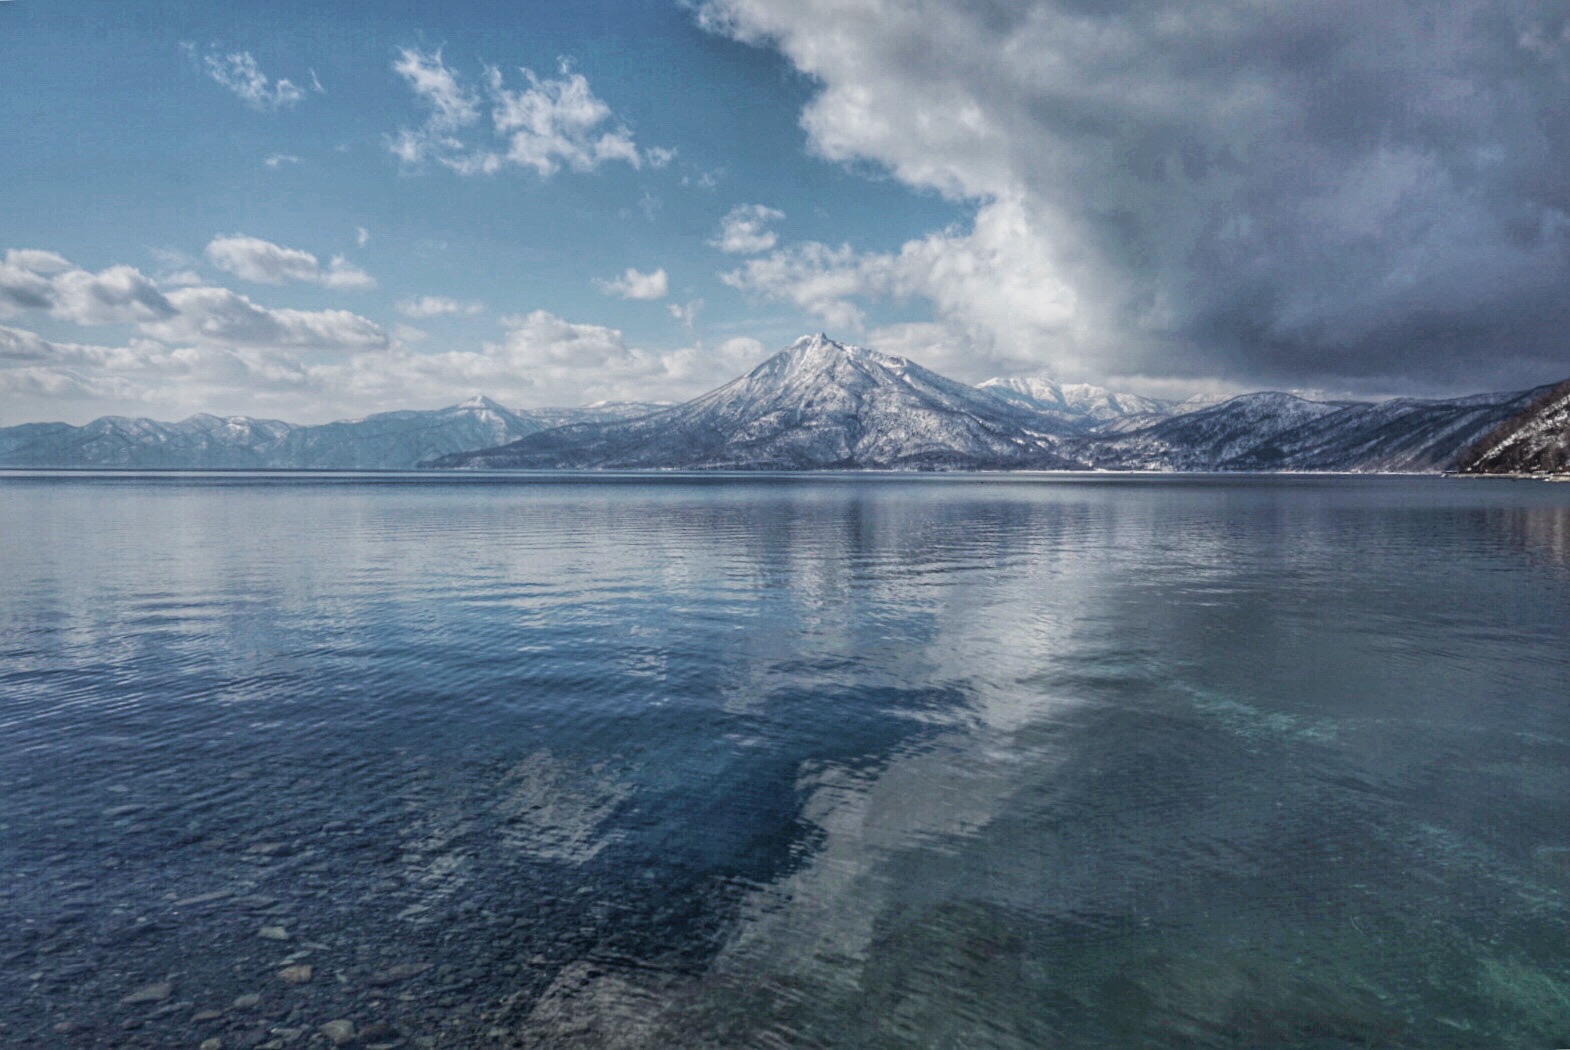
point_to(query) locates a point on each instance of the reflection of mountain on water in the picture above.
(1543, 532)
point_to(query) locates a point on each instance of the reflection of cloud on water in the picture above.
(1116, 819)
(554, 811)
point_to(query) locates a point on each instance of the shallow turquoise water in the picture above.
(774, 761)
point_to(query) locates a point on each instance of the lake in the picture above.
(840, 761)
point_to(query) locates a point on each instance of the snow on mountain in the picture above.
(1072, 401)
(1204, 439)
(822, 404)
(816, 404)
(597, 412)
(1536, 440)
(1400, 435)
(119, 441)
(387, 440)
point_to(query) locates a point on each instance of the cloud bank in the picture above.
(1306, 191)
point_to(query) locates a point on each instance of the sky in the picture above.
(314, 211)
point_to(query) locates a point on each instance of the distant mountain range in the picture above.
(384, 441)
(820, 404)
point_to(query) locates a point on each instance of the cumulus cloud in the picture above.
(745, 229)
(278, 160)
(686, 314)
(1298, 192)
(253, 259)
(635, 285)
(220, 317)
(239, 72)
(549, 124)
(218, 351)
(992, 286)
(437, 306)
(199, 315)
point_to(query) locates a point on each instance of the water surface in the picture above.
(772, 761)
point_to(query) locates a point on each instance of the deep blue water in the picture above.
(771, 761)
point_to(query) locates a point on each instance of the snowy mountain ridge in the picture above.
(820, 404)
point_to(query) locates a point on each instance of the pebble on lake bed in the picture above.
(339, 1033)
(273, 933)
(152, 993)
(212, 1044)
(298, 974)
(247, 1002)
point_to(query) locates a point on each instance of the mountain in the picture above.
(1536, 440)
(386, 440)
(1400, 435)
(1204, 439)
(1073, 402)
(819, 404)
(816, 404)
(119, 441)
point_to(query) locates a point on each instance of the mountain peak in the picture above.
(481, 401)
(819, 352)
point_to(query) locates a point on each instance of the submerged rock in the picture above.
(151, 993)
(298, 974)
(339, 1033)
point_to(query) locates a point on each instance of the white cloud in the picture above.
(362, 236)
(745, 229)
(253, 259)
(199, 315)
(635, 285)
(548, 125)
(686, 314)
(541, 359)
(220, 317)
(36, 260)
(238, 71)
(997, 294)
(437, 306)
(278, 160)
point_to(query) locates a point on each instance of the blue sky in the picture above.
(130, 149)
(312, 211)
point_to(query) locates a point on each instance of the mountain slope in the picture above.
(816, 404)
(1206, 439)
(393, 440)
(1534, 441)
(1401, 435)
(1072, 402)
(118, 441)
(386, 440)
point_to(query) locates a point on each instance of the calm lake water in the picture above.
(784, 762)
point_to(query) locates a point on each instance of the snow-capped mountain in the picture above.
(819, 404)
(1535, 440)
(386, 440)
(816, 404)
(1073, 402)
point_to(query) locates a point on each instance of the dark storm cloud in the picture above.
(1285, 192)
